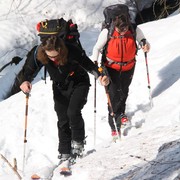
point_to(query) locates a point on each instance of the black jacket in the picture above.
(75, 70)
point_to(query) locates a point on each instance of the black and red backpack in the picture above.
(66, 30)
(61, 28)
(111, 13)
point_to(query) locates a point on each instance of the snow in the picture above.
(149, 149)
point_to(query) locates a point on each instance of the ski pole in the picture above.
(14, 60)
(95, 110)
(110, 105)
(148, 77)
(25, 130)
(112, 112)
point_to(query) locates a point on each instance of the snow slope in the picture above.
(149, 150)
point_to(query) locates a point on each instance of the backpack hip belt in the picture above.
(110, 61)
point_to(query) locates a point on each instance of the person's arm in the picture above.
(29, 71)
(101, 42)
(140, 37)
(139, 34)
(92, 68)
(86, 63)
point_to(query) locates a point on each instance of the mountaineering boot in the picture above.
(65, 164)
(63, 157)
(77, 148)
(115, 136)
(124, 120)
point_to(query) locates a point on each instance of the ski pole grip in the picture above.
(102, 71)
(143, 42)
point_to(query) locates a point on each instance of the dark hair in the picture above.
(121, 22)
(50, 44)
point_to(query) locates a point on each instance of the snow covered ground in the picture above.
(149, 150)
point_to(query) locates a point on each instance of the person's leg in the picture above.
(115, 97)
(126, 79)
(77, 101)
(64, 132)
(118, 91)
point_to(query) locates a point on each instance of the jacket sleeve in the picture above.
(27, 73)
(31, 67)
(89, 66)
(83, 60)
(140, 35)
(101, 42)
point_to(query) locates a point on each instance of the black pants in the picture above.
(118, 90)
(68, 106)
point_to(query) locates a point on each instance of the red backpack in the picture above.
(120, 51)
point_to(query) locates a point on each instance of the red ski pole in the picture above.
(148, 77)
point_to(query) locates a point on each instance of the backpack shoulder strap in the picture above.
(35, 54)
(39, 66)
(45, 74)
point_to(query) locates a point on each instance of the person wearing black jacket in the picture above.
(67, 66)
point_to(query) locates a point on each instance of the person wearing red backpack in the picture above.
(119, 59)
